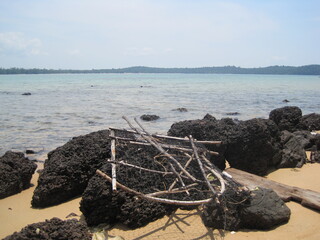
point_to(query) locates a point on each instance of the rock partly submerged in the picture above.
(16, 172)
(149, 117)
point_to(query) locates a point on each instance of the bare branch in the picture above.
(160, 149)
(155, 199)
(113, 158)
(201, 166)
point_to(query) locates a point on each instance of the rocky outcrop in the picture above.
(263, 211)
(254, 146)
(207, 129)
(16, 172)
(310, 122)
(53, 229)
(148, 118)
(293, 148)
(100, 204)
(180, 110)
(251, 145)
(287, 118)
(68, 168)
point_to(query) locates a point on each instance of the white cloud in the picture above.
(17, 43)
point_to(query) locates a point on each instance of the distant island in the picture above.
(277, 70)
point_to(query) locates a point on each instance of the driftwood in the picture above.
(170, 137)
(113, 158)
(306, 197)
(155, 199)
(209, 186)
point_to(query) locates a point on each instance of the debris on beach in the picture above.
(156, 175)
(140, 192)
(16, 172)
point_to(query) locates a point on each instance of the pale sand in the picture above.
(303, 224)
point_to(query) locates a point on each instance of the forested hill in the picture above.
(282, 70)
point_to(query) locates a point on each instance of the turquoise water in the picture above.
(66, 105)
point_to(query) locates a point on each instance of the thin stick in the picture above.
(201, 165)
(113, 158)
(155, 199)
(170, 137)
(141, 168)
(160, 149)
(216, 173)
(175, 190)
(168, 146)
(185, 167)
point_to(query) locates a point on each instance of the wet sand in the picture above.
(16, 212)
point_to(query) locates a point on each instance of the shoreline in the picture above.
(16, 213)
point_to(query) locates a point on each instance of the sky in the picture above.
(96, 34)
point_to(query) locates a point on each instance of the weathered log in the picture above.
(305, 197)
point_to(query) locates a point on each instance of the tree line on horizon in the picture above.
(278, 70)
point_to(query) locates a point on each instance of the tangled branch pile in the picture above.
(180, 172)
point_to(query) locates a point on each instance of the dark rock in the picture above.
(29, 151)
(209, 117)
(314, 143)
(310, 122)
(225, 215)
(26, 94)
(100, 204)
(68, 168)
(232, 114)
(252, 145)
(147, 117)
(266, 210)
(263, 210)
(53, 229)
(315, 157)
(16, 172)
(293, 153)
(181, 110)
(207, 129)
(287, 118)
(285, 101)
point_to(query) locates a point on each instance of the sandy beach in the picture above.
(16, 212)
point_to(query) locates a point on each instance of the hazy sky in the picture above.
(85, 34)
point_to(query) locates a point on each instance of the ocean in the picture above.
(62, 106)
